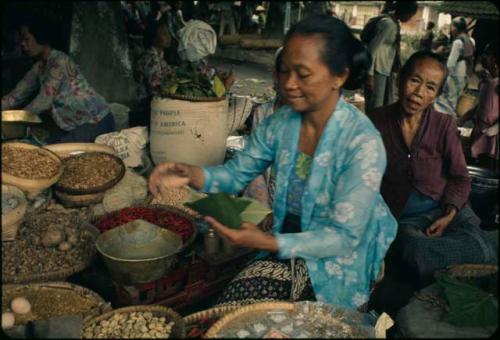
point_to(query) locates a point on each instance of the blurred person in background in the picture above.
(428, 38)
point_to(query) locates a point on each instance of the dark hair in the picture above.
(460, 24)
(41, 28)
(430, 25)
(341, 50)
(151, 31)
(405, 9)
(491, 49)
(420, 55)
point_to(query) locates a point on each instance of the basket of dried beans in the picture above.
(30, 168)
(153, 322)
(50, 246)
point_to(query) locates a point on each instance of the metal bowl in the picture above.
(14, 123)
(138, 252)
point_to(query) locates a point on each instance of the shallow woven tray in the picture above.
(97, 189)
(178, 330)
(59, 274)
(212, 313)
(11, 291)
(195, 99)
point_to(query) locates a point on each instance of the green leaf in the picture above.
(218, 87)
(255, 212)
(469, 305)
(222, 207)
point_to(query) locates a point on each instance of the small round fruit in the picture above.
(8, 320)
(20, 305)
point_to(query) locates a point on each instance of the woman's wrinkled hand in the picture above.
(168, 175)
(437, 228)
(249, 235)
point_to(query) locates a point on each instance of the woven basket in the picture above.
(12, 220)
(470, 270)
(98, 189)
(64, 150)
(58, 275)
(69, 200)
(32, 187)
(195, 99)
(178, 330)
(212, 313)
(10, 291)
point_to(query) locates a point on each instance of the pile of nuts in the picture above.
(89, 170)
(28, 163)
(47, 242)
(130, 325)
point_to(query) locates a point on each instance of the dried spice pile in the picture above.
(157, 216)
(28, 255)
(47, 302)
(28, 163)
(89, 170)
(130, 325)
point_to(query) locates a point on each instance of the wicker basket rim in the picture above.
(12, 288)
(141, 308)
(98, 189)
(221, 323)
(194, 99)
(7, 178)
(211, 312)
(58, 274)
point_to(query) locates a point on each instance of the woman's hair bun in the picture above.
(360, 64)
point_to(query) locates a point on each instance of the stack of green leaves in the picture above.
(221, 206)
(469, 306)
(187, 80)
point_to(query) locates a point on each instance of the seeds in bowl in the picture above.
(28, 163)
(132, 325)
(89, 170)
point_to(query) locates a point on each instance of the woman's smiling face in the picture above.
(305, 81)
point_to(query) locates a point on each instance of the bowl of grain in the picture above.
(29, 167)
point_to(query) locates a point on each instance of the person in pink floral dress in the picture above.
(60, 89)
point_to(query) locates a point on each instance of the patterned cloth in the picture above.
(151, 69)
(346, 225)
(62, 89)
(266, 280)
(462, 242)
(297, 182)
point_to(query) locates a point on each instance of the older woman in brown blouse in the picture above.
(426, 183)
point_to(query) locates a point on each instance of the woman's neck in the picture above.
(317, 119)
(413, 120)
(44, 55)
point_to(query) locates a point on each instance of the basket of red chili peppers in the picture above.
(164, 216)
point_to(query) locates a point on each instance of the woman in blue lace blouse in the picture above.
(331, 226)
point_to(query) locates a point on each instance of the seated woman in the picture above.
(60, 88)
(484, 137)
(331, 226)
(151, 68)
(426, 183)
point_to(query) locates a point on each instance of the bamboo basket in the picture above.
(470, 270)
(58, 275)
(98, 189)
(212, 313)
(32, 187)
(64, 150)
(178, 330)
(12, 220)
(96, 304)
(69, 201)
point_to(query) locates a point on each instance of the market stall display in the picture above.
(14, 207)
(133, 322)
(138, 251)
(292, 320)
(49, 246)
(30, 168)
(16, 123)
(49, 300)
(198, 323)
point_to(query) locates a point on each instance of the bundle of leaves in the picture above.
(469, 305)
(188, 80)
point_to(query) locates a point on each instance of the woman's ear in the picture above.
(339, 80)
